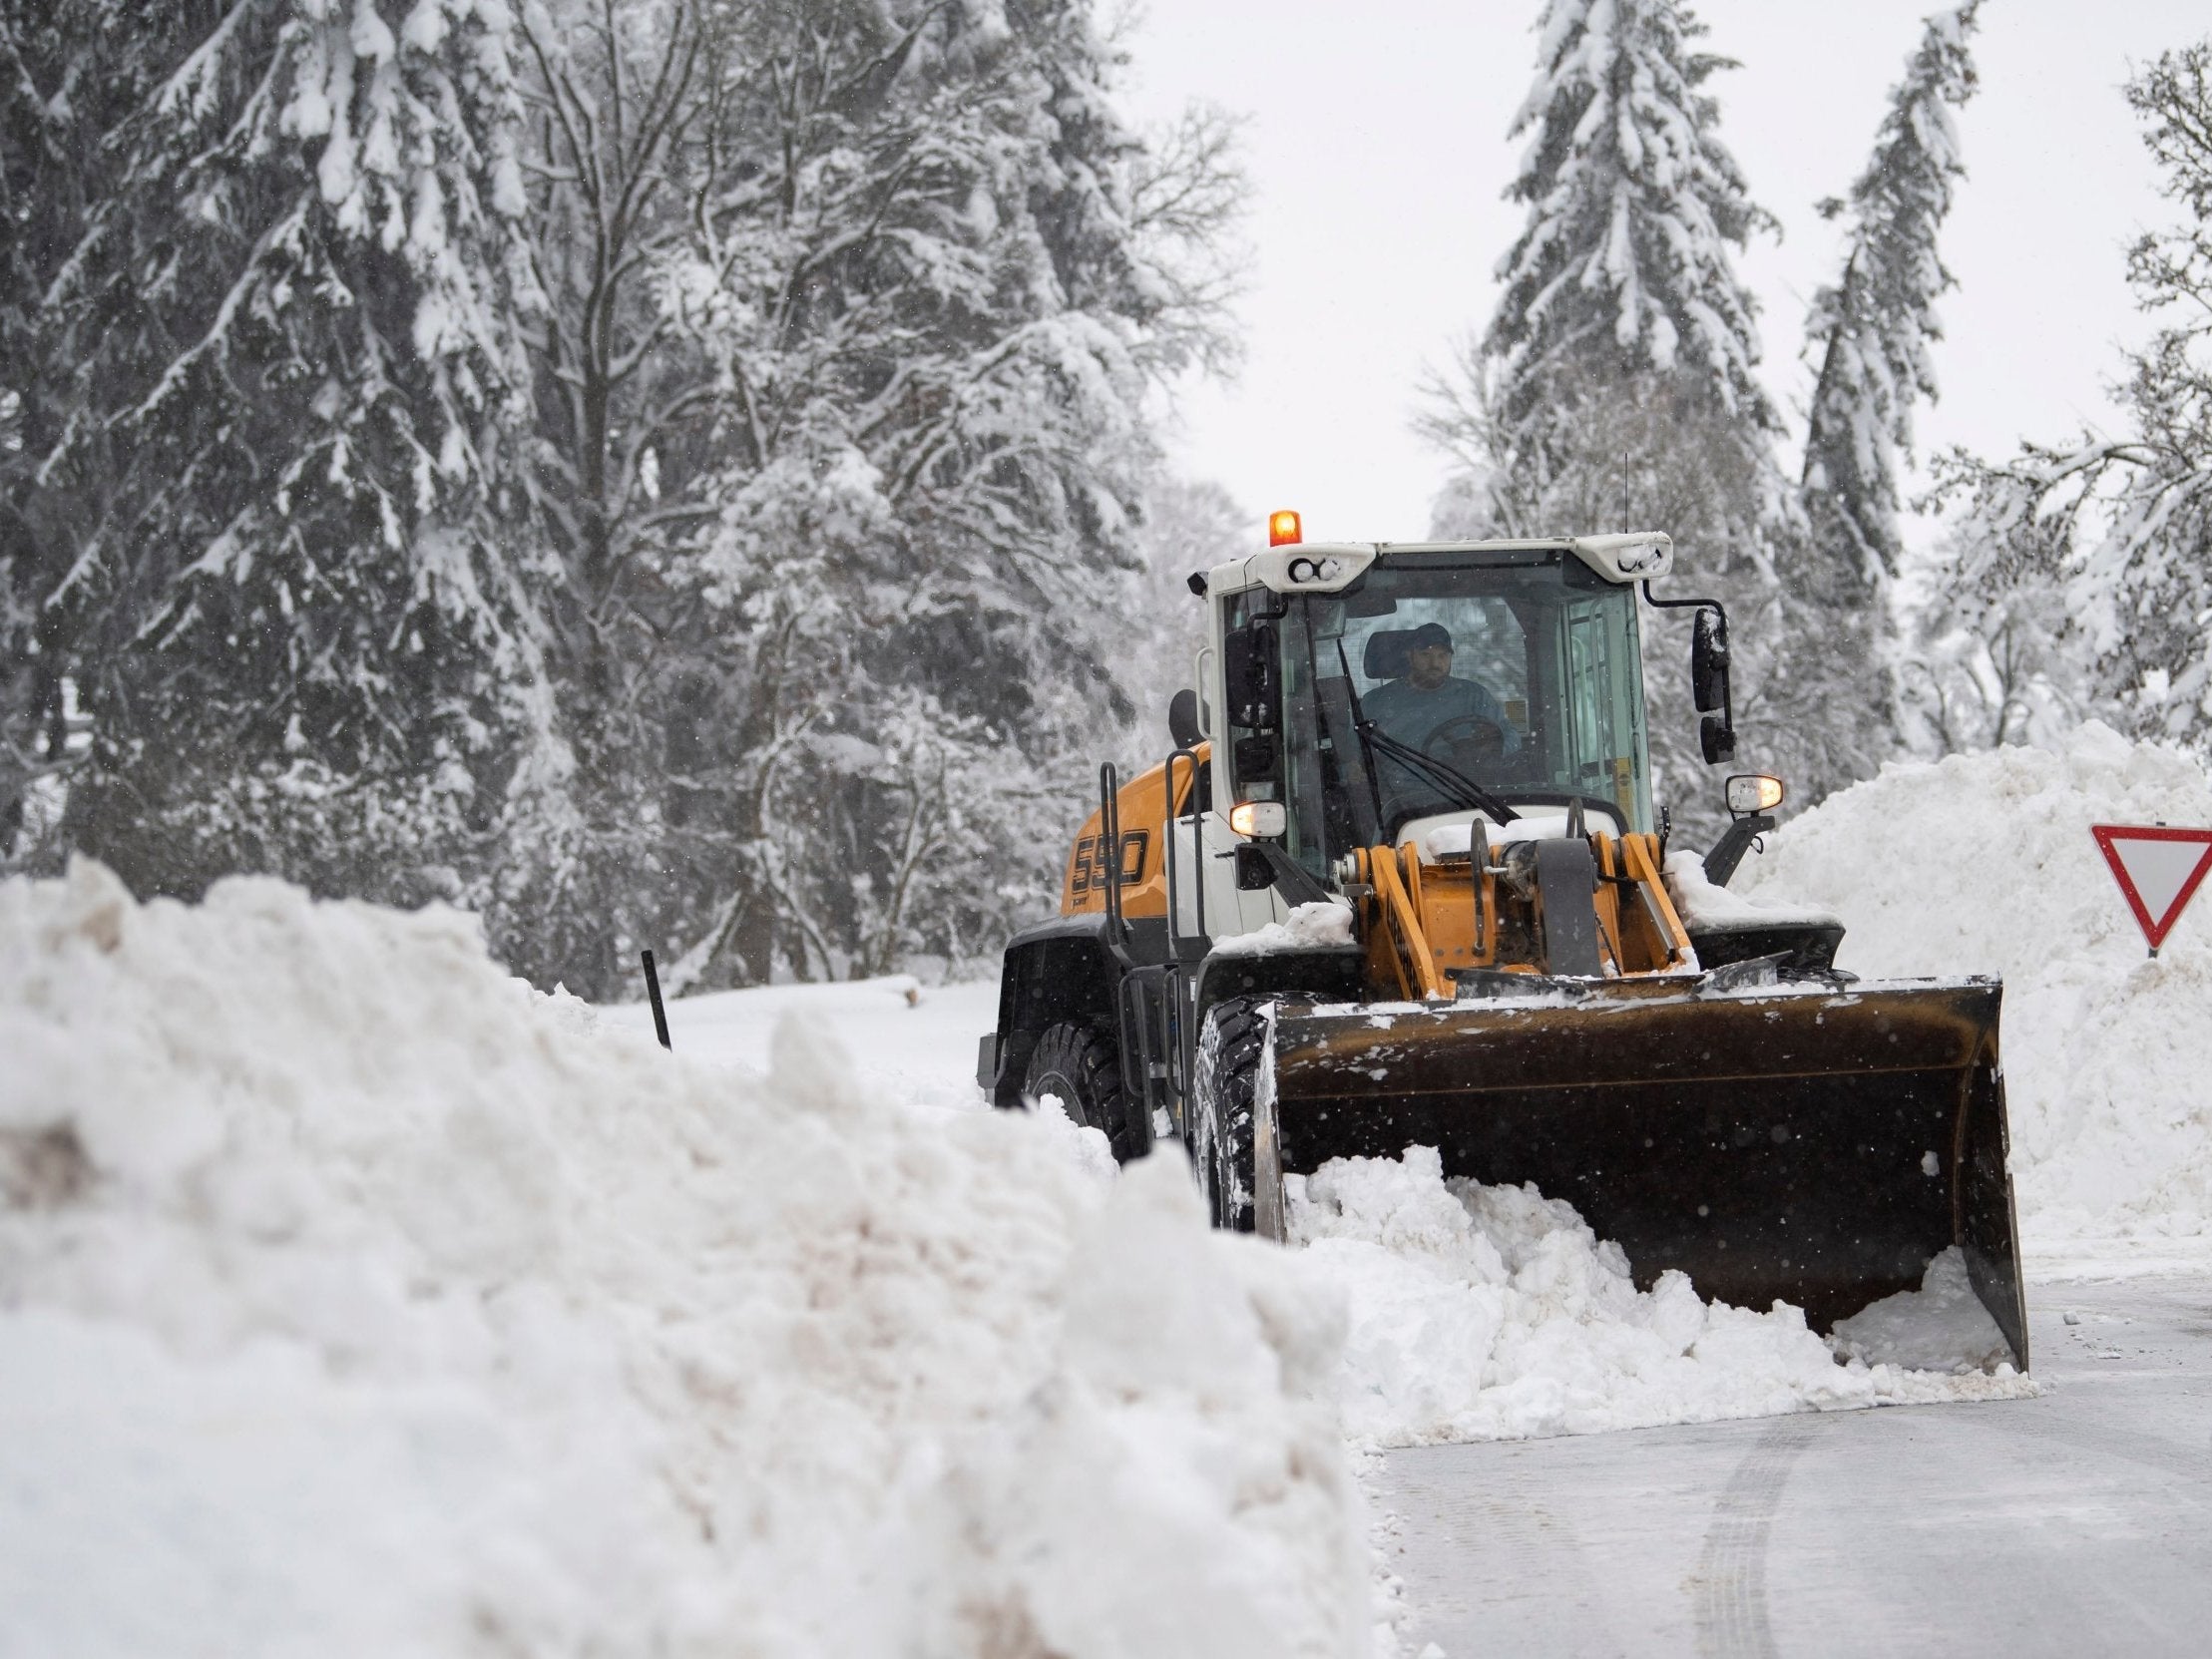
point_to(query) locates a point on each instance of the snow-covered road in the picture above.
(2077, 1523)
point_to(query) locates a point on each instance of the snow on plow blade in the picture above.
(1811, 1144)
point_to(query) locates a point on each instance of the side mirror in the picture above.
(1710, 663)
(1716, 726)
(1248, 674)
(1183, 719)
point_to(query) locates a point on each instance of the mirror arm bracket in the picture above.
(1658, 604)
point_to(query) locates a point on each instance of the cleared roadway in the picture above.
(2072, 1524)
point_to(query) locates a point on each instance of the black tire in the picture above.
(1084, 1070)
(1229, 1049)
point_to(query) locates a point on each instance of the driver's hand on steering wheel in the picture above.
(1466, 742)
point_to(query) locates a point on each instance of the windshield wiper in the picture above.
(1359, 730)
(1436, 773)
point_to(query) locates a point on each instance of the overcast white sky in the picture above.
(1378, 154)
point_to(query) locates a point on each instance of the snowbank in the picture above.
(1490, 1312)
(1985, 863)
(355, 1299)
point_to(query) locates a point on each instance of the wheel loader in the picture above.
(1363, 905)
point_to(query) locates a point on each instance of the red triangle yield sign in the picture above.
(2158, 870)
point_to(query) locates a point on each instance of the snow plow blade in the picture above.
(1812, 1144)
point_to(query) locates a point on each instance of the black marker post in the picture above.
(660, 1013)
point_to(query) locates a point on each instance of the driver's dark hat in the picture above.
(1428, 636)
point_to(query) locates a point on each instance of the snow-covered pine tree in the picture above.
(1624, 272)
(291, 322)
(1615, 388)
(71, 71)
(956, 399)
(1870, 332)
(1871, 329)
(39, 206)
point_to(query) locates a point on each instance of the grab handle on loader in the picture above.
(1109, 826)
(1178, 939)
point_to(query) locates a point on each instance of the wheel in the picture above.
(1084, 1070)
(1229, 1049)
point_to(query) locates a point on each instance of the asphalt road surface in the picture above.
(2077, 1524)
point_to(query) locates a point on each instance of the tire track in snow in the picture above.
(1730, 1600)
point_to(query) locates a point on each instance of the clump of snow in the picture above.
(1438, 842)
(1985, 863)
(1702, 903)
(355, 1298)
(1093, 1153)
(1447, 842)
(1943, 1326)
(1529, 826)
(1492, 1313)
(1311, 927)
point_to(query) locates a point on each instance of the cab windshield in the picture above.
(1441, 682)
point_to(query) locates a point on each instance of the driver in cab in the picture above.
(1429, 710)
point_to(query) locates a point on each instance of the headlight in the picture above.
(1750, 792)
(1259, 818)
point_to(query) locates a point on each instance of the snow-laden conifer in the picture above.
(1624, 268)
(2146, 585)
(1871, 329)
(57, 92)
(1615, 388)
(1869, 332)
(292, 364)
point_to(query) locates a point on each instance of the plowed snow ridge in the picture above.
(355, 1299)
(1490, 1312)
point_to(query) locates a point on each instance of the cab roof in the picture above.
(1327, 567)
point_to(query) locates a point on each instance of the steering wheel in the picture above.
(1465, 742)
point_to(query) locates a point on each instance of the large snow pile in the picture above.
(355, 1299)
(1491, 1313)
(1985, 863)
